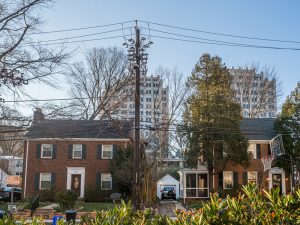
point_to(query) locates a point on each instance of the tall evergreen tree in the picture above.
(212, 117)
(288, 124)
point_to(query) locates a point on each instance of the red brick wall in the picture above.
(59, 165)
(255, 165)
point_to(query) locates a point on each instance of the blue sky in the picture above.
(255, 18)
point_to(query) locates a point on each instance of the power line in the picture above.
(230, 45)
(81, 28)
(221, 34)
(73, 37)
(86, 40)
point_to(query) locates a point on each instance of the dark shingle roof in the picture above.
(258, 128)
(80, 129)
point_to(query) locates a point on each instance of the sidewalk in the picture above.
(52, 206)
(168, 207)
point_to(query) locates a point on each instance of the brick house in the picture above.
(72, 154)
(198, 183)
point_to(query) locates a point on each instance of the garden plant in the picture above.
(251, 206)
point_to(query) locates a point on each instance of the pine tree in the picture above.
(212, 117)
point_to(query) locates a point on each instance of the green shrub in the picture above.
(250, 207)
(47, 195)
(92, 195)
(32, 202)
(65, 199)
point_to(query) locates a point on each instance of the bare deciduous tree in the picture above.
(257, 89)
(12, 129)
(99, 82)
(164, 128)
(23, 59)
(161, 142)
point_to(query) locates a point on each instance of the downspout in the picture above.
(213, 175)
(26, 166)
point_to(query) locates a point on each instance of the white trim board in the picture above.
(76, 170)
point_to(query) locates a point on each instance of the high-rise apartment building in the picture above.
(154, 104)
(256, 93)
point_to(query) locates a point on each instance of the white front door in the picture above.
(75, 180)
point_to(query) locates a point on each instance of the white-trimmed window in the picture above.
(47, 150)
(227, 179)
(252, 177)
(106, 181)
(252, 151)
(45, 181)
(107, 151)
(77, 151)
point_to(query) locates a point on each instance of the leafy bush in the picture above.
(249, 207)
(95, 195)
(32, 202)
(47, 195)
(65, 199)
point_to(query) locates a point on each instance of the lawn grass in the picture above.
(82, 206)
(4, 205)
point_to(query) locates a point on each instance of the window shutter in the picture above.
(114, 183)
(258, 151)
(98, 180)
(245, 178)
(38, 151)
(54, 152)
(114, 151)
(70, 151)
(269, 149)
(235, 179)
(53, 180)
(99, 152)
(221, 180)
(36, 181)
(83, 151)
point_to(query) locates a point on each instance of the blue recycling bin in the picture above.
(56, 218)
(2, 214)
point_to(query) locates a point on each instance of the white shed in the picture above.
(167, 181)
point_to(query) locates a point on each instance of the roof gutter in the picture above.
(81, 139)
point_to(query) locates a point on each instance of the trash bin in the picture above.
(55, 219)
(71, 215)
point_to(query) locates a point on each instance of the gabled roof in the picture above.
(258, 128)
(80, 129)
(168, 179)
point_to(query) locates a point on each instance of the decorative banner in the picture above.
(14, 181)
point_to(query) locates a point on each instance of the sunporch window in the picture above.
(197, 185)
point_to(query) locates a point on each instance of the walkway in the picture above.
(168, 207)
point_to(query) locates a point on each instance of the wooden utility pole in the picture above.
(137, 120)
(138, 65)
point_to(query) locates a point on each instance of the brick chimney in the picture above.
(37, 116)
